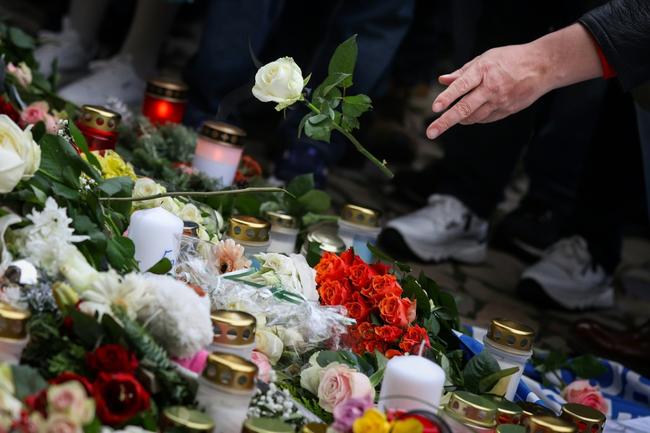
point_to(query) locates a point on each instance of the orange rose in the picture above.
(357, 307)
(382, 286)
(388, 333)
(333, 292)
(360, 276)
(350, 259)
(397, 311)
(365, 331)
(330, 268)
(392, 352)
(413, 338)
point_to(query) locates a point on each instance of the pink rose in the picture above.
(34, 113)
(264, 368)
(581, 392)
(21, 73)
(196, 363)
(70, 399)
(339, 382)
(58, 423)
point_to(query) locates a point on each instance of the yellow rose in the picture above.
(373, 421)
(114, 166)
(407, 426)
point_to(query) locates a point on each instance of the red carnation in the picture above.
(119, 397)
(413, 338)
(382, 286)
(330, 268)
(112, 358)
(388, 333)
(357, 308)
(334, 292)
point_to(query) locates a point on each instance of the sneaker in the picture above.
(115, 77)
(66, 47)
(445, 229)
(567, 277)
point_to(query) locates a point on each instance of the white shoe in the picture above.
(109, 78)
(568, 275)
(66, 47)
(445, 229)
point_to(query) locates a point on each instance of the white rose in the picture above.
(20, 156)
(269, 344)
(76, 269)
(280, 81)
(170, 204)
(189, 212)
(310, 377)
(291, 337)
(145, 187)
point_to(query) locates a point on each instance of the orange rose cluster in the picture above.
(371, 295)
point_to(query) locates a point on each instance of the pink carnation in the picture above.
(581, 392)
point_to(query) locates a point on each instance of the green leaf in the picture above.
(587, 367)
(320, 132)
(80, 141)
(65, 192)
(413, 291)
(317, 118)
(479, 367)
(355, 106)
(381, 255)
(115, 185)
(21, 39)
(432, 326)
(306, 80)
(38, 131)
(301, 126)
(344, 60)
(449, 302)
(301, 185)
(27, 381)
(488, 382)
(95, 426)
(86, 328)
(315, 201)
(326, 357)
(162, 267)
(120, 251)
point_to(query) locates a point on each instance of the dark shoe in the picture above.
(633, 344)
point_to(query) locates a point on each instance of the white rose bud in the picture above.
(191, 213)
(280, 81)
(269, 344)
(170, 204)
(145, 187)
(20, 156)
(310, 377)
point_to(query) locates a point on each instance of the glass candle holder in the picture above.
(511, 344)
(251, 233)
(99, 126)
(267, 425)
(284, 232)
(585, 418)
(225, 390)
(549, 424)
(472, 410)
(359, 226)
(180, 419)
(530, 410)
(320, 240)
(164, 101)
(219, 147)
(234, 332)
(13, 333)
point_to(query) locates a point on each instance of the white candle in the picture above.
(156, 234)
(411, 383)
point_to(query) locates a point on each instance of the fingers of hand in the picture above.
(461, 85)
(461, 111)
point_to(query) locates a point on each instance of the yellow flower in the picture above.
(113, 165)
(407, 426)
(373, 421)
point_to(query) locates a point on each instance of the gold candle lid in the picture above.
(186, 420)
(585, 418)
(13, 322)
(246, 228)
(230, 371)
(281, 219)
(360, 215)
(507, 411)
(510, 335)
(224, 133)
(549, 424)
(533, 409)
(171, 90)
(327, 239)
(510, 428)
(94, 116)
(314, 427)
(267, 425)
(233, 328)
(472, 409)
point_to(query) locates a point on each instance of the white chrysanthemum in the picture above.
(44, 242)
(131, 292)
(177, 317)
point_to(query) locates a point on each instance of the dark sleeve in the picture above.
(622, 29)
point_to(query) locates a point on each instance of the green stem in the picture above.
(381, 165)
(200, 194)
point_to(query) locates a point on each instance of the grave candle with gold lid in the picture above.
(472, 410)
(284, 232)
(219, 147)
(267, 425)
(250, 232)
(164, 101)
(359, 226)
(180, 419)
(507, 411)
(225, 389)
(234, 332)
(585, 418)
(549, 424)
(13, 333)
(320, 240)
(511, 344)
(530, 410)
(99, 126)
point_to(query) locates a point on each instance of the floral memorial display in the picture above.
(130, 300)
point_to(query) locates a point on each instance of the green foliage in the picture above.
(27, 381)
(307, 399)
(584, 366)
(482, 372)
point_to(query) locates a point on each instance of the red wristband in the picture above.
(608, 71)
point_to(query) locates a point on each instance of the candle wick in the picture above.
(421, 348)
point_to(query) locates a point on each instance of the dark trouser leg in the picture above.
(643, 119)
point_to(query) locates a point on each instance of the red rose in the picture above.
(365, 331)
(388, 333)
(119, 397)
(68, 376)
(37, 402)
(397, 311)
(334, 292)
(372, 345)
(392, 352)
(9, 110)
(413, 339)
(112, 358)
(379, 268)
(360, 276)
(357, 307)
(382, 286)
(351, 259)
(330, 268)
